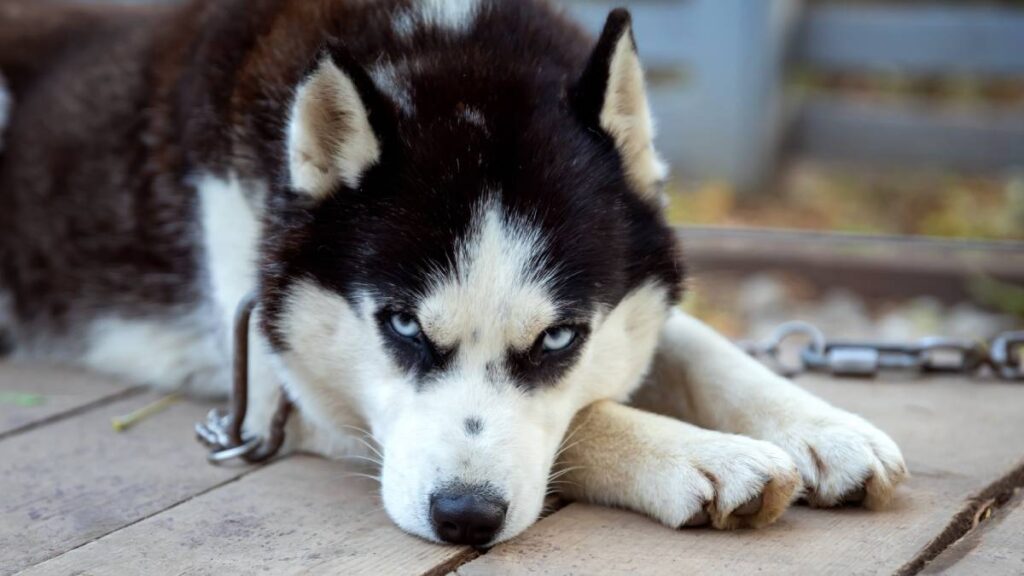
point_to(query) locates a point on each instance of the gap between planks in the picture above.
(72, 412)
(967, 520)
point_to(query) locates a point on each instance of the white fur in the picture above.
(473, 117)
(343, 379)
(189, 350)
(230, 217)
(494, 301)
(718, 386)
(394, 85)
(330, 140)
(626, 116)
(495, 290)
(166, 353)
(673, 471)
(231, 230)
(454, 16)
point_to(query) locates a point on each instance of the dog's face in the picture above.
(464, 271)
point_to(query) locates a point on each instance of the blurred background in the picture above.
(855, 163)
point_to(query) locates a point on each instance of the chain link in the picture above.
(933, 355)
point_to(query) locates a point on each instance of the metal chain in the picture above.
(1002, 355)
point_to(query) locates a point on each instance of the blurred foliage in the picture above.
(999, 296)
(814, 196)
(887, 87)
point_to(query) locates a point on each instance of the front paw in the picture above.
(726, 481)
(842, 458)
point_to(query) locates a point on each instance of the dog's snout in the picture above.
(467, 514)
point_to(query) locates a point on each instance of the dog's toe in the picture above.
(753, 483)
(843, 460)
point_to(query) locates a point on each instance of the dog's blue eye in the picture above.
(557, 339)
(405, 325)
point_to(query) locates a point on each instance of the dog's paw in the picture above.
(842, 458)
(728, 482)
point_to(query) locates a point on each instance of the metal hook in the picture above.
(222, 432)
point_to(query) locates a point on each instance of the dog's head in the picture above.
(464, 263)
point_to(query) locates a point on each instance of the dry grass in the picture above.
(811, 196)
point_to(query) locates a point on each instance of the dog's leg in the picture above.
(703, 378)
(673, 471)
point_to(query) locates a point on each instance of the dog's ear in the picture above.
(611, 95)
(330, 139)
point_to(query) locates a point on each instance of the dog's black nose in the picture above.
(467, 514)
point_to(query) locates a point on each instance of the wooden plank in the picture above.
(895, 135)
(38, 394)
(72, 481)
(958, 436)
(872, 265)
(918, 39)
(301, 515)
(995, 548)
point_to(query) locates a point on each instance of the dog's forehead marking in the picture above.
(473, 117)
(450, 15)
(497, 294)
(394, 83)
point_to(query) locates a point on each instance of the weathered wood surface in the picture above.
(872, 265)
(76, 497)
(301, 515)
(996, 548)
(59, 392)
(74, 480)
(958, 437)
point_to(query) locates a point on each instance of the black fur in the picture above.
(100, 215)
(473, 426)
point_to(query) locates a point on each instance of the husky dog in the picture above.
(451, 212)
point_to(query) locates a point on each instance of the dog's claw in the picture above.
(701, 518)
(753, 506)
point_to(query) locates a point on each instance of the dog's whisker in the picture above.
(361, 457)
(357, 429)
(568, 447)
(370, 447)
(563, 472)
(359, 475)
(568, 437)
(365, 433)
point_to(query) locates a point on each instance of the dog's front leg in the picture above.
(675, 472)
(703, 378)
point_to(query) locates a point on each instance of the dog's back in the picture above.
(85, 228)
(118, 109)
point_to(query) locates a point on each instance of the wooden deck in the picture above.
(78, 498)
